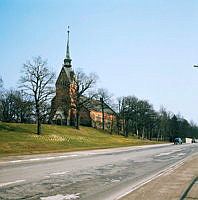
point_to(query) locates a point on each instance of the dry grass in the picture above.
(20, 139)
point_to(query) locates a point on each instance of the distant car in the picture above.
(177, 141)
(194, 140)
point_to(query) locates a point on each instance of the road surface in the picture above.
(90, 175)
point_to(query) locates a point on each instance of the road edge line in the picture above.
(158, 174)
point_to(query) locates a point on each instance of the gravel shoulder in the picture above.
(171, 185)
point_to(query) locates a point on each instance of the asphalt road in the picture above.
(89, 175)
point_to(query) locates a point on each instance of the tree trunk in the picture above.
(143, 133)
(38, 120)
(112, 124)
(151, 134)
(102, 103)
(118, 125)
(137, 133)
(158, 134)
(126, 129)
(38, 126)
(78, 120)
(124, 125)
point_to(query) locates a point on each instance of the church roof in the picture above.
(69, 73)
(97, 106)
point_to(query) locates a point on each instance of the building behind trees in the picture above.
(72, 104)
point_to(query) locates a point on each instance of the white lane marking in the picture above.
(49, 158)
(34, 159)
(167, 153)
(39, 159)
(163, 172)
(164, 154)
(173, 168)
(95, 152)
(62, 197)
(74, 155)
(58, 173)
(181, 154)
(115, 181)
(62, 156)
(14, 161)
(9, 183)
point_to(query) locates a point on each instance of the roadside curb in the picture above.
(153, 182)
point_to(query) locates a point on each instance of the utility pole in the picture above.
(102, 104)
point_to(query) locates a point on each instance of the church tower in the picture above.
(63, 109)
(67, 60)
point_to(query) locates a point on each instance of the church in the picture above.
(63, 105)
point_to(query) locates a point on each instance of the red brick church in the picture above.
(63, 108)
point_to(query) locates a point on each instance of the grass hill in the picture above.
(20, 139)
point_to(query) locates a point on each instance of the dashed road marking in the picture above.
(58, 173)
(115, 181)
(39, 159)
(9, 183)
(62, 197)
(171, 152)
(181, 154)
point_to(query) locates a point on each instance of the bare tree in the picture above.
(1, 88)
(16, 107)
(1, 98)
(84, 94)
(37, 81)
(105, 98)
(1, 83)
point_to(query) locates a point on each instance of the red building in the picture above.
(63, 107)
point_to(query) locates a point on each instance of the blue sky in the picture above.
(144, 48)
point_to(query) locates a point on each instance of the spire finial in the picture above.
(67, 52)
(68, 33)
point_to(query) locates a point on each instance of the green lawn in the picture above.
(20, 139)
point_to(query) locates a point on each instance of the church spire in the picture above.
(67, 52)
(67, 60)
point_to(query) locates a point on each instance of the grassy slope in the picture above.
(18, 139)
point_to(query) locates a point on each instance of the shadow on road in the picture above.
(189, 192)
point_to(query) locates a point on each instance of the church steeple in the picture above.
(67, 60)
(67, 52)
